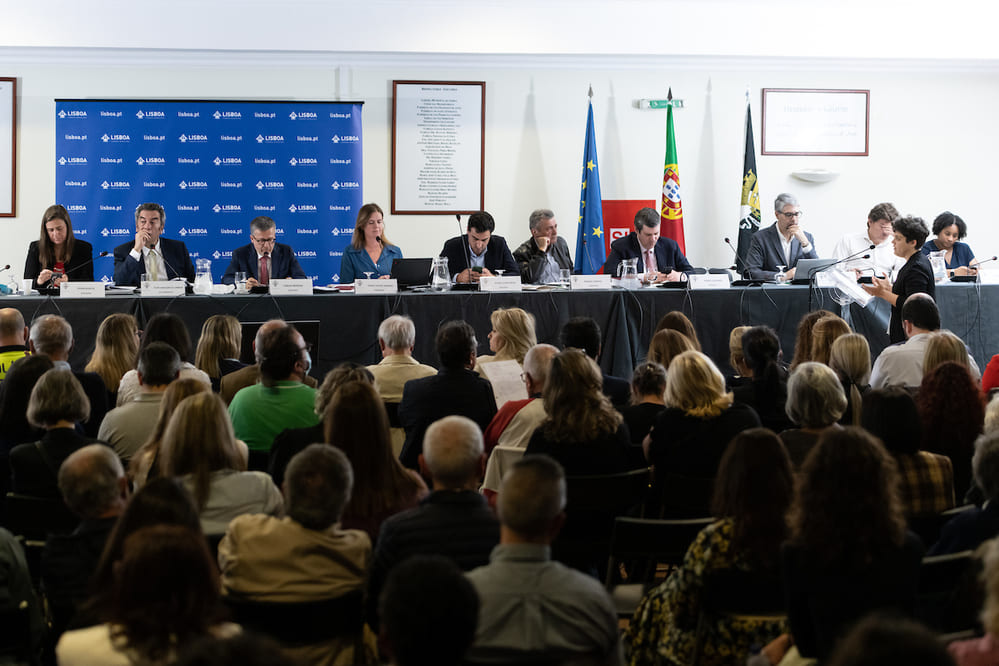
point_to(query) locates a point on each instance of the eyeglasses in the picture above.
(263, 241)
(791, 216)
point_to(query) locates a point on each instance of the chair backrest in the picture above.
(651, 542)
(301, 623)
(683, 496)
(34, 518)
(928, 528)
(949, 595)
(608, 493)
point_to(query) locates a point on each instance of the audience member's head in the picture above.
(920, 314)
(174, 394)
(513, 333)
(159, 364)
(850, 359)
(803, 338)
(456, 345)
(985, 465)
(666, 345)
(169, 328)
(761, 349)
(317, 486)
(221, 338)
(453, 453)
(12, 328)
(952, 409)
(577, 409)
(695, 385)
(581, 333)
(648, 381)
(52, 336)
(243, 649)
(815, 397)
(282, 355)
(537, 364)
(115, 349)
(429, 612)
(677, 321)
(824, 334)
(890, 414)
(57, 399)
(736, 358)
(15, 391)
(337, 377)
(878, 640)
(93, 483)
(398, 334)
(532, 499)
(944, 346)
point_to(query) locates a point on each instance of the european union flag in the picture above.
(590, 250)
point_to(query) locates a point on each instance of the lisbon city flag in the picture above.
(590, 252)
(671, 211)
(749, 213)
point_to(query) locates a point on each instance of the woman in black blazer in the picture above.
(57, 254)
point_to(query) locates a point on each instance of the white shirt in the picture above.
(161, 272)
(902, 364)
(883, 258)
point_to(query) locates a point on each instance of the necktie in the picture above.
(650, 262)
(264, 273)
(153, 265)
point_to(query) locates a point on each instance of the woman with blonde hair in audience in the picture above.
(512, 335)
(583, 431)
(737, 360)
(815, 402)
(145, 465)
(850, 359)
(824, 334)
(667, 344)
(200, 448)
(115, 351)
(217, 353)
(648, 387)
(356, 422)
(944, 346)
(803, 338)
(678, 321)
(700, 419)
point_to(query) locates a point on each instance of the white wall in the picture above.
(933, 142)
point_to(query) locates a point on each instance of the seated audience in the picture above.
(170, 329)
(145, 464)
(126, 428)
(926, 480)
(511, 337)
(848, 552)
(454, 520)
(803, 337)
(13, 338)
(752, 495)
(356, 423)
(679, 322)
(850, 359)
(648, 388)
(455, 389)
(249, 375)
(767, 392)
(115, 351)
(737, 360)
(945, 346)
(429, 612)
(522, 584)
(165, 593)
(584, 333)
(217, 353)
(200, 448)
(15, 391)
(18, 598)
(824, 334)
(949, 229)
(57, 404)
(952, 412)
(667, 344)
(969, 529)
(582, 431)
(983, 651)
(815, 403)
(304, 556)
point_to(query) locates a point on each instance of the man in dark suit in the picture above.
(781, 244)
(455, 389)
(584, 333)
(52, 336)
(263, 249)
(161, 258)
(545, 253)
(486, 252)
(658, 258)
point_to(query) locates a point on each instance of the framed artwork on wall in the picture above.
(799, 121)
(8, 146)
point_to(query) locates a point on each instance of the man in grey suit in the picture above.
(781, 244)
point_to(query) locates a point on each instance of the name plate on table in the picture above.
(709, 281)
(591, 282)
(82, 290)
(500, 283)
(164, 288)
(390, 286)
(296, 287)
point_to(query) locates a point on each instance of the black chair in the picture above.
(32, 519)
(928, 528)
(641, 545)
(296, 624)
(682, 496)
(950, 596)
(392, 409)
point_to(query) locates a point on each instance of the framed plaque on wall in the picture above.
(8, 147)
(800, 121)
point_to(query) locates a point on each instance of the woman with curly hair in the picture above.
(677, 321)
(754, 490)
(512, 335)
(849, 552)
(953, 413)
(115, 351)
(583, 431)
(667, 344)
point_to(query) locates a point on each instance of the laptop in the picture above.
(806, 269)
(412, 272)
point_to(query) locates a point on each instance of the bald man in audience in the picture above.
(13, 339)
(453, 520)
(521, 584)
(250, 375)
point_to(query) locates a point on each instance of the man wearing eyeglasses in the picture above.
(780, 245)
(882, 260)
(264, 259)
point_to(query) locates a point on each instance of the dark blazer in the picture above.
(531, 260)
(668, 255)
(79, 268)
(127, 270)
(431, 398)
(766, 253)
(97, 393)
(915, 276)
(283, 263)
(34, 472)
(497, 255)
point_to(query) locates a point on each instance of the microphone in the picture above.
(465, 251)
(855, 255)
(737, 258)
(977, 263)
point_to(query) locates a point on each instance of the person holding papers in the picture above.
(369, 254)
(57, 253)
(660, 259)
(151, 254)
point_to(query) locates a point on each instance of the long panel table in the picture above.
(345, 325)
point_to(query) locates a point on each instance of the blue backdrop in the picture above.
(213, 166)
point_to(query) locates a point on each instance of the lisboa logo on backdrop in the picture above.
(346, 184)
(116, 185)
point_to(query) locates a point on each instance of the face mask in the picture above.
(308, 362)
